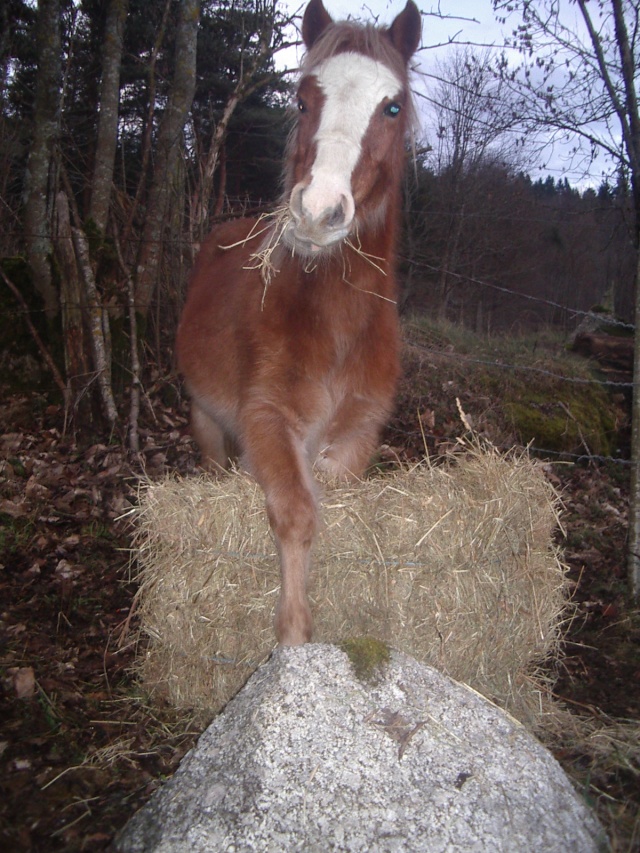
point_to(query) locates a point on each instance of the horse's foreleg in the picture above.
(275, 456)
(210, 438)
(352, 439)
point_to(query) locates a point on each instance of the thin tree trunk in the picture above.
(147, 132)
(44, 352)
(222, 182)
(629, 115)
(245, 86)
(45, 132)
(633, 557)
(201, 200)
(136, 382)
(108, 114)
(73, 333)
(168, 153)
(95, 312)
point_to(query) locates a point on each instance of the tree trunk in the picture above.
(77, 366)
(98, 327)
(630, 124)
(45, 132)
(147, 133)
(168, 153)
(108, 114)
(202, 198)
(633, 557)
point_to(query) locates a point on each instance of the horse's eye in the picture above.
(302, 107)
(392, 109)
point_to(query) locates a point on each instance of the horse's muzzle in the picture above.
(319, 218)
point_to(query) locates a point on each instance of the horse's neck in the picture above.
(375, 243)
(379, 240)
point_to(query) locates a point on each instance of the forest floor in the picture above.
(81, 749)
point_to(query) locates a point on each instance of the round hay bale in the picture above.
(454, 565)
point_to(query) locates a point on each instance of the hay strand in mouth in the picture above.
(371, 259)
(253, 233)
(369, 292)
(277, 222)
(274, 224)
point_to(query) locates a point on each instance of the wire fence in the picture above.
(609, 384)
(543, 451)
(549, 303)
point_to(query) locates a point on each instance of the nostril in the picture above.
(295, 202)
(314, 212)
(336, 217)
(348, 206)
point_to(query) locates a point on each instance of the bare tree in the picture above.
(578, 82)
(168, 151)
(45, 132)
(262, 37)
(105, 153)
(472, 120)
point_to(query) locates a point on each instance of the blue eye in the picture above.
(392, 109)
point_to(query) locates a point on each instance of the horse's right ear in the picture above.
(316, 20)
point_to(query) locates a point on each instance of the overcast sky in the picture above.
(463, 20)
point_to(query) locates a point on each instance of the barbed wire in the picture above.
(577, 312)
(550, 303)
(577, 380)
(563, 455)
(582, 457)
(485, 362)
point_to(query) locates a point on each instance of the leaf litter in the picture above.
(82, 747)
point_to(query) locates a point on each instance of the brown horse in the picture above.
(289, 337)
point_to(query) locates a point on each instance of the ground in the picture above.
(81, 748)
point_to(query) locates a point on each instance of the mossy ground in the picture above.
(528, 390)
(580, 421)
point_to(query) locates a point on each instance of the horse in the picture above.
(289, 339)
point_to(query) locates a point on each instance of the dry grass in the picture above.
(602, 756)
(453, 564)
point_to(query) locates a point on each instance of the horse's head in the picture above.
(353, 111)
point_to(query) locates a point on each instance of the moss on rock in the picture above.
(368, 656)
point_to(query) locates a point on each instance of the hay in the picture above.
(453, 564)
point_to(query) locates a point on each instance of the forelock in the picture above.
(366, 39)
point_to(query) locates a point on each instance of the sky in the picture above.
(462, 22)
(471, 20)
(433, 30)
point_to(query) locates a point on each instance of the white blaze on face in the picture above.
(353, 86)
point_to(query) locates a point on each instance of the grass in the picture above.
(528, 389)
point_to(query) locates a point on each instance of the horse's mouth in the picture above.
(310, 244)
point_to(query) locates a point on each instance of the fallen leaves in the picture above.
(67, 699)
(24, 681)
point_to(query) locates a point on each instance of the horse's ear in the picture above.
(316, 20)
(406, 31)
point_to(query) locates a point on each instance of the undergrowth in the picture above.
(528, 390)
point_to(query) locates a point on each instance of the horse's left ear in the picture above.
(406, 31)
(315, 21)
